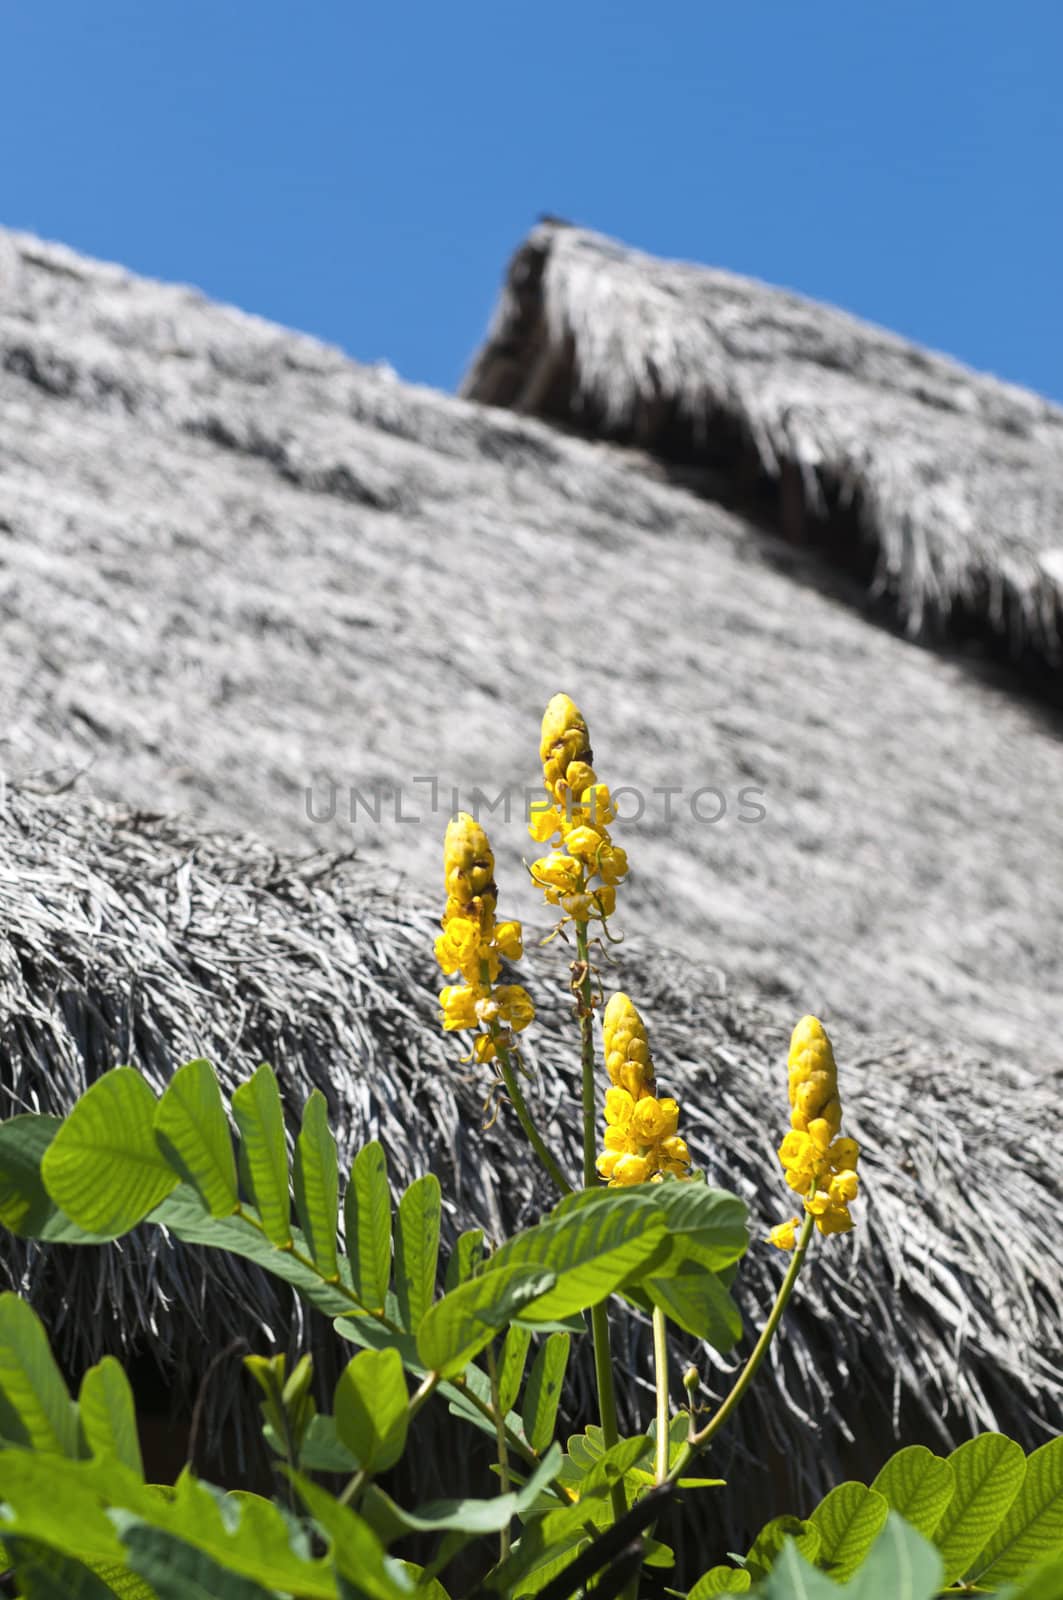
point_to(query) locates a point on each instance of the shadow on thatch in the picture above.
(940, 489)
(129, 938)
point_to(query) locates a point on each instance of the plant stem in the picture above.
(503, 1453)
(660, 1366)
(697, 1441)
(603, 1361)
(531, 1132)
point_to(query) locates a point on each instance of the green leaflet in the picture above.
(848, 1521)
(465, 1257)
(263, 1152)
(792, 1578)
(458, 1327)
(193, 1134)
(592, 1249)
(767, 1546)
(178, 1571)
(417, 1250)
(35, 1409)
(371, 1407)
(26, 1208)
(108, 1414)
(901, 1564)
(317, 1185)
(470, 1516)
(918, 1485)
(367, 1226)
(511, 1366)
(104, 1168)
(48, 1574)
(355, 1550)
(1032, 1530)
(184, 1215)
(543, 1391)
(720, 1580)
(988, 1471)
(694, 1297)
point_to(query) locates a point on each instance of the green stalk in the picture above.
(603, 1360)
(531, 1132)
(698, 1441)
(660, 1368)
(500, 1434)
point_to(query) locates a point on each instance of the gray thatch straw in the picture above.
(952, 481)
(129, 938)
(231, 560)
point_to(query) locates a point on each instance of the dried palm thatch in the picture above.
(126, 937)
(942, 487)
(233, 562)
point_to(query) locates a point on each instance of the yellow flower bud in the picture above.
(459, 1003)
(558, 871)
(544, 823)
(580, 907)
(669, 1110)
(604, 898)
(578, 777)
(515, 1006)
(836, 1220)
(647, 1123)
(784, 1234)
(606, 1163)
(631, 1169)
(618, 1107)
(584, 843)
(844, 1186)
(617, 1138)
(844, 1153)
(510, 940)
(468, 864)
(675, 1149)
(612, 863)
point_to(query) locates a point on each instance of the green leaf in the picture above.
(706, 1225)
(367, 1225)
(178, 1571)
(45, 1573)
(458, 1327)
(792, 1578)
(511, 1366)
(918, 1485)
(988, 1471)
(35, 1408)
(901, 1564)
(263, 1153)
(103, 1167)
(720, 1580)
(1044, 1583)
(355, 1549)
(543, 1392)
(1032, 1530)
(108, 1414)
(768, 1544)
(469, 1516)
(317, 1185)
(193, 1134)
(186, 1218)
(593, 1249)
(26, 1207)
(371, 1407)
(465, 1257)
(694, 1297)
(848, 1522)
(321, 1449)
(614, 1463)
(417, 1250)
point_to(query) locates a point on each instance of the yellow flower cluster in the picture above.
(819, 1164)
(577, 815)
(473, 944)
(640, 1131)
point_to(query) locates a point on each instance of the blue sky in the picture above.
(364, 171)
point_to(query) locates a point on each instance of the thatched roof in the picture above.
(231, 559)
(126, 937)
(941, 487)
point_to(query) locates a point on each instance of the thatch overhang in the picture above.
(125, 937)
(939, 487)
(235, 564)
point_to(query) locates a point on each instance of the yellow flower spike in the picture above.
(818, 1164)
(640, 1129)
(473, 944)
(580, 874)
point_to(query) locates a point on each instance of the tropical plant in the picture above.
(488, 1336)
